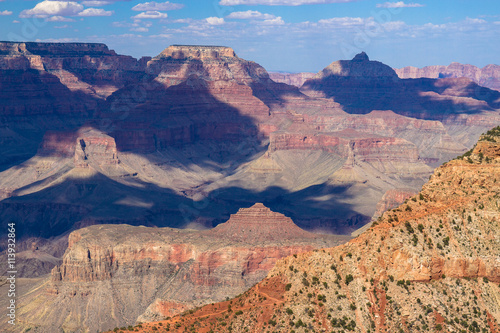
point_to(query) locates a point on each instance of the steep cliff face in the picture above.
(195, 93)
(90, 68)
(488, 76)
(431, 264)
(163, 270)
(347, 143)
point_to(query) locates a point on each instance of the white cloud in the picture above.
(250, 14)
(53, 8)
(215, 20)
(97, 3)
(59, 19)
(150, 15)
(279, 2)
(61, 26)
(5, 13)
(275, 21)
(95, 12)
(160, 36)
(399, 4)
(16, 21)
(151, 6)
(343, 21)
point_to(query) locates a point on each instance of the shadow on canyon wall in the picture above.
(423, 98)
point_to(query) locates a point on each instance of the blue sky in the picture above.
(288, 35)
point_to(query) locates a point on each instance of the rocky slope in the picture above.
(114, 275)
(488, 76)
(429, 265)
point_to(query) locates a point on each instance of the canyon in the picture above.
(430, 265)
(105, 159)
(188, 137)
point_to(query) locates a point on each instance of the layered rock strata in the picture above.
(113, 275)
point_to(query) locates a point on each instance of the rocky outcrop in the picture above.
(164, 270)
(259, 224)
(431, 264)
(359, 67)
(488, 76)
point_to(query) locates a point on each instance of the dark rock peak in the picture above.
(259, 223)
(361, 57)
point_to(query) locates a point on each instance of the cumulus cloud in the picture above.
(279, 2)
(156, 6)
(5, 13)
(399, 4)
(95, 12)
(152, 14)
(53, 8)
(215, 20)
(250, 14)
(59, 19)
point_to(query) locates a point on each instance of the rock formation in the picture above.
(429, 265)
(87, 67)
(488, 76)
(378, 87)
(114, 275)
